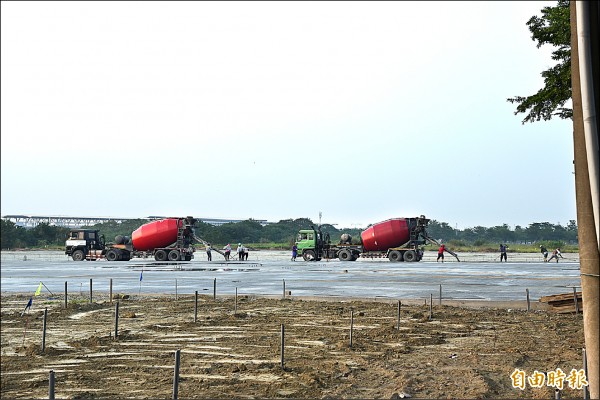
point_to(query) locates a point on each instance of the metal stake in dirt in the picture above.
(51, 385)
(399, 305)
(528, 302)
(44, 331)
(175, 289)
(215, 289)
(284, 288)
(430, 306)
(351, 325)
(66, 294)
(47, 288)
(575, 300)
(110, 291)
(235, 309)
(176, 374)
(440, 295)
(196, 306)
(91, 301)
(116, 320)
(282, 346)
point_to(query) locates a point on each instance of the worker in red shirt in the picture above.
(441, 252)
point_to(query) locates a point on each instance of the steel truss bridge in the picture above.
(31, 221)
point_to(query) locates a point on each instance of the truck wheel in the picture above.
(125, 256)
(345, 255)
(174, 255)
(160, 255)
(309, 255)
(395, 256)
(410, 256)
(78, 255)
(112, 255)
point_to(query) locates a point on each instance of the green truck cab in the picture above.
(307, 243)
(314, 245)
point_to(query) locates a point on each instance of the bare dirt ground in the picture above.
(462, 352)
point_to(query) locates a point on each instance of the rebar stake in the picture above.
(282, 346)
(44, 331)
(176, 374)
(51, 385)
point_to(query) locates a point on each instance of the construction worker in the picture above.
(441, 252)
(555, 254)
(209, 251)
(503, 249)
(544, 252)
(240, 251)
(227, 251)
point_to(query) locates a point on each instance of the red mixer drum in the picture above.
(384, 235)
(156, 234)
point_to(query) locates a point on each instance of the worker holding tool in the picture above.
(544, 251)
(240, 251)
(441, 252)
(503, 249)
(227, 251)
(208, 251)
(555, 254)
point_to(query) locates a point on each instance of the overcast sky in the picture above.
(363, 111)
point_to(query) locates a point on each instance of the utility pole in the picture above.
(589, 253)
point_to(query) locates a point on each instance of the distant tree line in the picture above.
(283, 233)
(535, 232)
(43, 235)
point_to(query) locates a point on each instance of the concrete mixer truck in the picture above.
(166, 239)
(398, 239)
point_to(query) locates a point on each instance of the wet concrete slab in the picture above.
(474, 278)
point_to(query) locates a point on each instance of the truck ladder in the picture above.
(180, 237)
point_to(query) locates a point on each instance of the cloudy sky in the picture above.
(363, 111)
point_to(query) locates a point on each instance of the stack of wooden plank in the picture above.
(563, 303)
